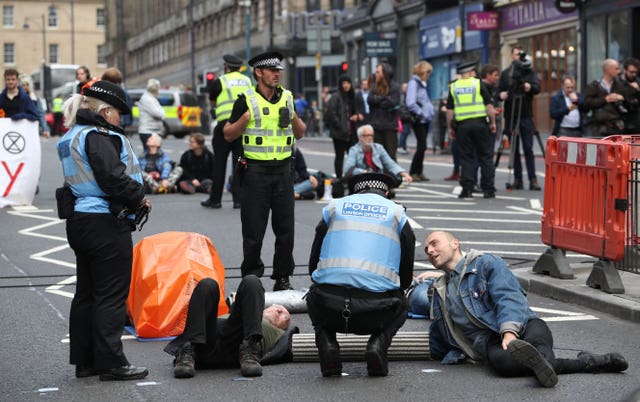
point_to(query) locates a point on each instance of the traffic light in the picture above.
(208, 77)
(344, 67)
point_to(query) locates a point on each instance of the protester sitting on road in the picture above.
(368, 156)
(417, 293)
(249, 336)
(481, 312)
(360, 263)
(197, 167)
(304, 184)
(158, 172)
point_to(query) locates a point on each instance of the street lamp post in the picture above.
(44, 36)
(246, 4)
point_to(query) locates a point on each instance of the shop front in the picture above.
(550, 40)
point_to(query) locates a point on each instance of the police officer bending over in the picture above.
(360, 263)
(265, 119)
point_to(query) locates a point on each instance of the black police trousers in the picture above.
(104, 252)
(260, 192)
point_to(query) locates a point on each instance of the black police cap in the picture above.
(232, 61)
(466, 67)
(364, 182)
(267, 60)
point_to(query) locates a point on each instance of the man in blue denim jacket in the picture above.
(480, 311)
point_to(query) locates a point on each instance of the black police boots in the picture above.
(282, 283)
(376, 356)
(609, 363)
(124, 373)
(329, 353)
(184, 363)
(250, 358)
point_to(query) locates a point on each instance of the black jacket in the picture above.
(506, 84)
(385, 109)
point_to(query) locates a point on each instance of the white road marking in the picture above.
(563, 315)
(470, 211)
(531, 211)
(494, 231)
(535, 203)
(147, 383)
(51, 389)
(466, 219)
(414, 224)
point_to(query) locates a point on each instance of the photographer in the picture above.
(101, 170)
(604, 100)
(628, 85)
(518, 84)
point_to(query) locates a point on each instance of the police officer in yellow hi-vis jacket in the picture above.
(469, 106)
(265, 119)
(223, 93)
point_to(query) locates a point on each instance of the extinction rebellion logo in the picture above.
(13, 142)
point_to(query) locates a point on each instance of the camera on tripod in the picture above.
(521, 68)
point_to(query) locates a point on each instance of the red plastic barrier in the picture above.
(166, 269)
(586, 179)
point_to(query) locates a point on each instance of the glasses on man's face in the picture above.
(366, 135)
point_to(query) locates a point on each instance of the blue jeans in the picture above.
(402, 141)
(302, 187)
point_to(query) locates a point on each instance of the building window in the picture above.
(100, 18)
(7, 16)
(9, 53)
(52, 19)
(53, 53)
(101, 55)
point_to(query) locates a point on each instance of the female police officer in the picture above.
(102, 172)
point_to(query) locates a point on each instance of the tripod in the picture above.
(516, 114)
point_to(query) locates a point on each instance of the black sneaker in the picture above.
(489, 194)
(329, 354)
(282, 283)
(517, 185)
(609, 363)
(250, 359)
(527, 355)
(376, 357)
(184, 363)
(466, 194)
(85, 371)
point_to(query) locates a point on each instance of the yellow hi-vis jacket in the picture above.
(263, 139)
(468, 102)
(233, 84)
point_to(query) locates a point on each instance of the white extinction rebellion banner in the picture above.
(19, 161)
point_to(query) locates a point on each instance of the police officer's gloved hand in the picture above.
(212, 112)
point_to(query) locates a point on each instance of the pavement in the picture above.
(576, 291)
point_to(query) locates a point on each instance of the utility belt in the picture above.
(482, 119)
(348, 301)
(266, 167)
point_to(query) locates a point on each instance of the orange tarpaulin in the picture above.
(166, 269)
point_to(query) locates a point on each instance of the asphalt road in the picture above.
(37, 284)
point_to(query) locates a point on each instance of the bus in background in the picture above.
(48, 78)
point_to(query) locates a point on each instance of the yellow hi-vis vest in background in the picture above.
(56, 106)
(263, 139)
(468, 102)
(233, 84)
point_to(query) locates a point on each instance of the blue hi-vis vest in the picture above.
(362, 246)
(78, 173)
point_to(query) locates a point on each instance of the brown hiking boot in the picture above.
(184, 363)
(250, 359)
